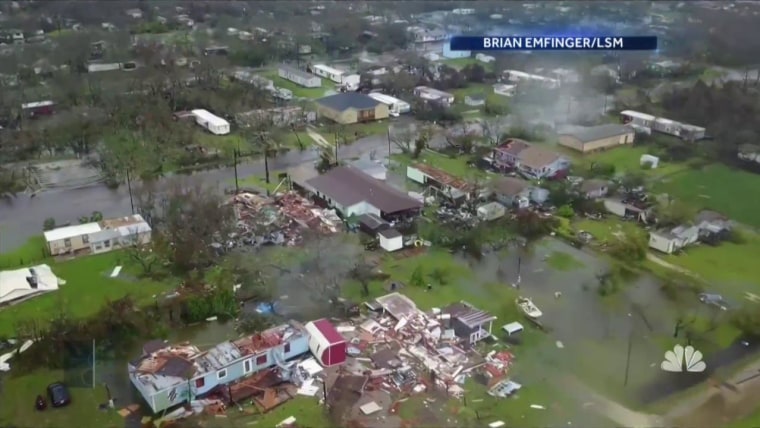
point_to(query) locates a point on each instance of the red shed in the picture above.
(326, 343)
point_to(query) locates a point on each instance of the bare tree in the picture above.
(404, 140)
(492, 130)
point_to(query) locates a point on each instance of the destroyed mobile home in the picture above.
(399, 350)
(279, 220)
(356, 367)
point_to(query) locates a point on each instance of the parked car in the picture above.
(59, 395)
(713, 299)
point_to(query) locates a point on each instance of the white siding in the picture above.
(661, 243)
(393, 244)
(415, 175)
(214, 124)
(361, 208)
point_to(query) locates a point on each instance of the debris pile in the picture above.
(279, 220)
(400, 351)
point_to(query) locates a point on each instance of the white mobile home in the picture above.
(647, 123)
(299, 77)
(98, 237)
(214, 124)
(396, 106)
(328, 72)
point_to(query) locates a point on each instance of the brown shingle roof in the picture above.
(508, 186)
(348, 186)
(536, 157)
(513, 146)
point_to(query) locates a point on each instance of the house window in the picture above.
(247, 368)
(221, 374)
(85, 239)
(286, 349)
(200, 382)
(67, 243)
(107, 243)
(261, 360)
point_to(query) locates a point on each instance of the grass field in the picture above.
(32, 251)
(456, 166)
(81, 411)
(88, 286)
(733, 192)
(298, 91)
(628, 159)
(728, 263)
(259, 181)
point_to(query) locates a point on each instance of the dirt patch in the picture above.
(724, 406)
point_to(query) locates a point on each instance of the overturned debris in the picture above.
(279, 220)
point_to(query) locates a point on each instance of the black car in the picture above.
(58, 394)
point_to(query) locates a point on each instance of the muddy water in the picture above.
(594, 331)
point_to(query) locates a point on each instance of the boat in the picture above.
(526, 305)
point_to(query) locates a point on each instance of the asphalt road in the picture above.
(22, 217)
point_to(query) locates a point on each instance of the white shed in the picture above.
(391, 240)
(491, 211)
(653, 161)
(214, 124)
(513, 328)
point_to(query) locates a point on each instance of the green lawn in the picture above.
(456, 166)
(733, 192)
(259, 181)
(628, 159)
(84, 402)
(727, 263)
(602, 230)
(298, 91)
(88, 286)
(32, 251)
(563, 262)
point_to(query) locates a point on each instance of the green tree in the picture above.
(565, 211)
(418, 277)
(632, 246)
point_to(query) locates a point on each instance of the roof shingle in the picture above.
(348, 100)
(348, 186)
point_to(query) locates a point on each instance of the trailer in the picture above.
(214, 124)
(328, 72)
(38, 108)
(396, 106)
(646, 123)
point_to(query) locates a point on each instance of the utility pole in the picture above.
(389, 143)
(336, 148)
(129, 187)
(628, 353)
(235, 155)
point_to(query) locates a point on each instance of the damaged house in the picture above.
(468, 322)
(170, 375)
(441, 182)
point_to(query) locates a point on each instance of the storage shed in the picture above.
(326, 343)
(391, 239)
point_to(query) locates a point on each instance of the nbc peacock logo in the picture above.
(682, 359)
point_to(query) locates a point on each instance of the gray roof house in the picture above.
(713, 226)
(352, 192)
(593, 138)
(469, 322)
(348, 100)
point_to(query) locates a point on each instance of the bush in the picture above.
(565, 211)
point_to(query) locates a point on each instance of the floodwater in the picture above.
(613, 343)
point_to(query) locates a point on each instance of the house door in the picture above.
(366, 115)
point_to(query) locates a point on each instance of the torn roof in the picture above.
(170, 365)
(398, 305)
